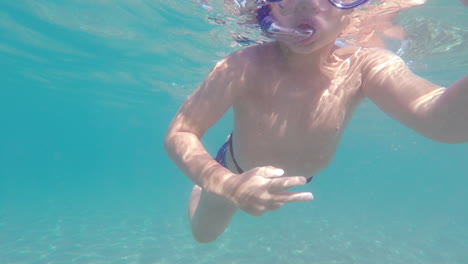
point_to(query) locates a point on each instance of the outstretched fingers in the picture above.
(292, 197)
(280, 185)
(265, 189)
(277, 200)
(284, 183)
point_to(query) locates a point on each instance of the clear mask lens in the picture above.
(347, 4)
(287, 6)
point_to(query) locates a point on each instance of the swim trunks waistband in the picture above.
(221, 156)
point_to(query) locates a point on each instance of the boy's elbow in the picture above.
(169, 142)
(451, 140)
(174, 139)
(448, 137)
(169, 145)
(441, 131)
(204, 239)
(205, 236)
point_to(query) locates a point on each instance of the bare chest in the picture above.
(294, 124)
(300, 109)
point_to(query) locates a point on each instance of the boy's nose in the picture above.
(310, 6)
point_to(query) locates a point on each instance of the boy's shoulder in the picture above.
(364, 53)
(367, 58)
(378, 55)
(376, 59)
(245, 54)
(252, 55)
(245, 62)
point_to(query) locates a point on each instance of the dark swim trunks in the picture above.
(221, 156)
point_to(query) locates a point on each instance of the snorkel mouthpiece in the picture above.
(272, 29)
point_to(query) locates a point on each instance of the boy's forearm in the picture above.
(186, 150)
(451, 112)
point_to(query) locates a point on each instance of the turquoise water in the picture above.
(88, 90)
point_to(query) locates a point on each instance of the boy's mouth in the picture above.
(305, 29)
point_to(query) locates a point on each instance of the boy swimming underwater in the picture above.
(292, 99)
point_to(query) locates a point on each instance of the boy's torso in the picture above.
(294, 121)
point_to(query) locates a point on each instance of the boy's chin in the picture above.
(301, 49)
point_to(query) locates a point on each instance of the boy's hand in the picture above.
(263, 189)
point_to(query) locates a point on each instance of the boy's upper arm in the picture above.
(389, 83)
(211, 100)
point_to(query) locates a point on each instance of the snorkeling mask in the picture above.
(341, 4)
(272, 29)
